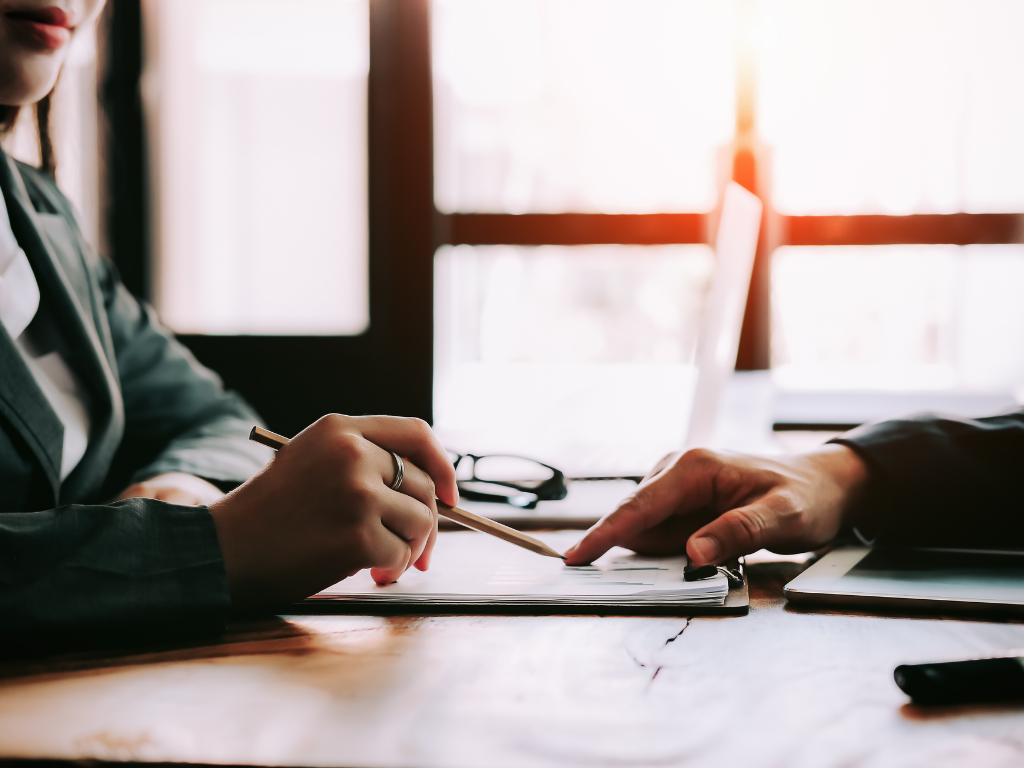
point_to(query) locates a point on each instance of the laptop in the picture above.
(930, 579)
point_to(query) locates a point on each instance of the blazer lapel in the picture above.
(67, 244)
(78, 325)
(27, 410)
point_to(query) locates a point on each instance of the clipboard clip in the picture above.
(733, 575)
(700, 572)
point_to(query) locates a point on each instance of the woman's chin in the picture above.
(25, 79)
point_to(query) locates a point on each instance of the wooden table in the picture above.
(780, 687)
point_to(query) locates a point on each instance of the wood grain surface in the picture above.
(779, 687)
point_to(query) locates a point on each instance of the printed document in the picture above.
(472, 567)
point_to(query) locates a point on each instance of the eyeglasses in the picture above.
(513, 480)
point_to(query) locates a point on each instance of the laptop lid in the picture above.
(735, 247)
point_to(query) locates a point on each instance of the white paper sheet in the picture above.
(473, 567)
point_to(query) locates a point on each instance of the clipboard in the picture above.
(737, 602)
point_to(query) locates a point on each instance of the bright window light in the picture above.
(893, 106)
(257, 117)
(899, 317)
(581, 105)
(580, 355)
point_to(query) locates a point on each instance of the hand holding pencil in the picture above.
(324, 510)
(461, 516)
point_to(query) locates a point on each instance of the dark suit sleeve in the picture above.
(943, 481)
(178, 417)
(135, 570)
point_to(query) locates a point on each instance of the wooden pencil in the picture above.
(494, 528)
(460, 516)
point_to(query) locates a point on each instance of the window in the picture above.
(583, 355)
(553, 106)
(257, 121)
(944, 317)
(893, 107)
(882, 137)
(910, 111)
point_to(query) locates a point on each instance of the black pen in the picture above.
(963, 682)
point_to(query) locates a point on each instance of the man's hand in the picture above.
(174, 488)
(322, 509)
(718, 506)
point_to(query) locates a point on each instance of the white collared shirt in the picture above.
(19, 303)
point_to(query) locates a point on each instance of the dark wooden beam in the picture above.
(401, 187)
(127, 199)
(571, 228)
(938, 229)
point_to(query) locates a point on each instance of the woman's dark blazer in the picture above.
(71, 565)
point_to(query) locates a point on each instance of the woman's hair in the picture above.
(9, 116)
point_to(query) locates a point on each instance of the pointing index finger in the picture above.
(681, 487)
(635, 514)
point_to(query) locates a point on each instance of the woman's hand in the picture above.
(174, 488)
(718, 506)
(322, 509)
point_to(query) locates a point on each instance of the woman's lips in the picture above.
(47, 28)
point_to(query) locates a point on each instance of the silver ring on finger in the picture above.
(399, 471)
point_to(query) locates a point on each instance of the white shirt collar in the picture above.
(19, 302)
(19, 291)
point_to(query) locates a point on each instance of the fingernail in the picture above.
(707, 549)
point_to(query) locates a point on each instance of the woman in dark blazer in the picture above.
(99, 402)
